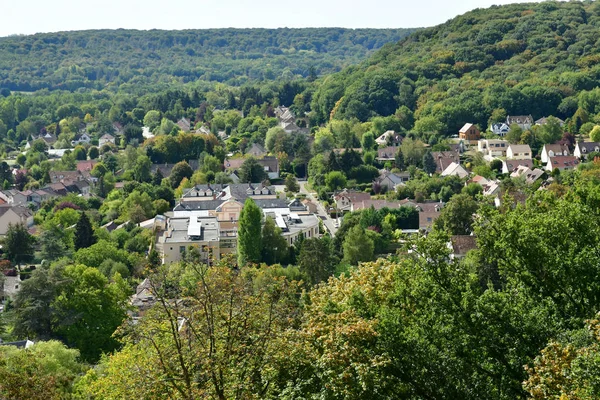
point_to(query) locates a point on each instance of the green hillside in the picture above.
(517, 59)
(95, 58)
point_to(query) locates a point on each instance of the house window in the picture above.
(181, 249)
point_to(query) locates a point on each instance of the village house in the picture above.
(552, 150)
(86, 166)
(13, 197)
(428, 213)
(562, 163)
(66, 176)
(376, 204)
(345, 199)
(270, 165)
(14, 215)
(582, 149)
(461, 245)
(389, 138)
(49, 139)
(165, 169)
(492, 148)
(500, 129)
(256, 150)
(518, 152)
(543, 121)
(107, 138)
(181, 234)
(478, 179)
(469, 132)
(287, 121)
(390, 181)
(455, 169)
(491, 188)
(118, 128)
(530, 175)
(444, 158)
(311, 207)
(524, 121)
(11, 285)
(508, 166)
(184, 124)
(142, 300)
(84, 138)
(387, 153)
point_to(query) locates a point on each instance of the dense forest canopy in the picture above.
(95, 58)
(517, 59)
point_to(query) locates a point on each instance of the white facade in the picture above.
(492, 147)
(583, 149)
(519, 152)
(553, 150)
(105, 139)
(83, 139)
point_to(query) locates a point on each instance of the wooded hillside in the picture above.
(95, 58)
(517, 59)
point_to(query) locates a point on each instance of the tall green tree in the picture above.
(357, 246)
(53, 246)
(157, 178)
(84, 233)
(180, 170)
(18, 243)
(291, 184)
(251, 171)
(249, 233)
(458, 215)
(429, 163)
(275, 248)
(141, 169)
(315, 259)
(514, 134)
(335, 180)
(74, 303)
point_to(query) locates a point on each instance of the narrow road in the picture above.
(328, 222)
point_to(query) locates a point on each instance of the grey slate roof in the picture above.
(198, 205)
(271, 203)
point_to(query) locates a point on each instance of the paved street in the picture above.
(328, 222)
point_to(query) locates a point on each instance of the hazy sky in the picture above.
(31, 16)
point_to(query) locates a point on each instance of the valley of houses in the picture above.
(206, 216)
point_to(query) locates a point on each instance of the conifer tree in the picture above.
(84, 234)
(249, 233)
(428, 163)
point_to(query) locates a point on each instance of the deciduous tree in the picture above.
(251, 171)
(357, 246)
